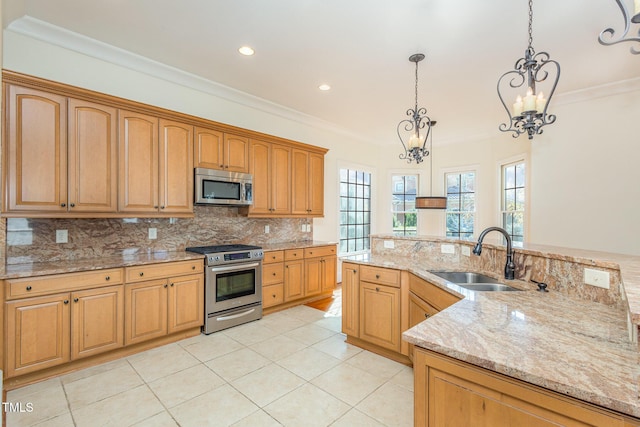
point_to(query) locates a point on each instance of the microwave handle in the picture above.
(242, 190)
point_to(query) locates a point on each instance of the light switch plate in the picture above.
(447, 249)
(389, 244)
(597, 278)
(153, 233)
(266, 229)
(466, 250)
(62, 236)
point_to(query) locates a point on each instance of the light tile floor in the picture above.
(290, 368)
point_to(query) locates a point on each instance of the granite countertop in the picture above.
(294, 245)
(14, 271)
(575, 347)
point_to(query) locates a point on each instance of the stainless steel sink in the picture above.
(473, 281)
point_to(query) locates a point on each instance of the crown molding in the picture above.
(61, 37)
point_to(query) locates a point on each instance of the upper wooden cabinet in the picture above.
(223, 151)
(270, 165)
(156, 168)
(307, 182)
(50, 170)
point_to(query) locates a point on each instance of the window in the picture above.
(355, 210)
(461, 204)
(513, 200)
(403, 204)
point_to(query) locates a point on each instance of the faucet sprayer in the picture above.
(510, 267)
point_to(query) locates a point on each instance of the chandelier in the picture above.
(607, 36)
(417, 127)
(528, 114)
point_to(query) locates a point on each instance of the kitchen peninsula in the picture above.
(566, 356)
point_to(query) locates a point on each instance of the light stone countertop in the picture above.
(294, 245)
(572, 346)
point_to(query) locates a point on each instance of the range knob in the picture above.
(216, 258)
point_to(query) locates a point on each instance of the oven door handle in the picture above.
(235, 316)
(235, 267)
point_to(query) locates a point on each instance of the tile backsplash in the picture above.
(34, 239)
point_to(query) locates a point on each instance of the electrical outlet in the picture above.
(153, 233)
(597, 278)
(309, 227)
(465, 250)
(266, 229)
(447, 249)
(62, 236)
(389, 244)
(304, 228)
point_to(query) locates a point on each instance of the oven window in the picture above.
(220, 190)
(235, 284)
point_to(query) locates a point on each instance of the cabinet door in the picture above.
(313, 276)
(138, 160)
(316, 185)
(37, 333)
(36, 175)
(208, 148)
(176, 167)
(419, 310)
(97, 321)
(259, 167)
(280, 180)
(236, 153)
(186, 302)
(145, 311)
(293, 280)
(93, 162)
(350, 300)
(299, 182)
(380, 315)
(329, 268)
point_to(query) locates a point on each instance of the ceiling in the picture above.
(361, 48)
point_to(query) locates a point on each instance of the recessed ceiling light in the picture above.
(324, 87)
(246, 50)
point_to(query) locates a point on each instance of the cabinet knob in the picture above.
(377, 276)
(161, 207)
(171, 285)
(427, 315)
(165, 285)
(141, 273)
(73, 205)
(274, 295)
(377, 289)
(310, 253)
(273, 257)
(64, 205)
(76, 299)
(274, 274)
(66, 301)
(222, 166)
(193, 267)
(155, 207)
(107, 278)
(29, 288)
(355, 271)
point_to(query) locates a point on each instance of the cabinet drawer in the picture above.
(384, 276)
(272, 295)
(430, 293)
(272, 273)
(42, 285)
(273, 256)
(319, 251)
(293, 254)
(167, 269)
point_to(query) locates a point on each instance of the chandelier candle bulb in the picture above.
(637, 7)
(540, 102)
(517, 107)
(529, 101)
(414, 141)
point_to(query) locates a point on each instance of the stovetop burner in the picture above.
(214, 249)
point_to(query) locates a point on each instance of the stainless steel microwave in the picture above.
(216, 187)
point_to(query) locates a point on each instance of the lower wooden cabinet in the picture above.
(449, 392)
(47, 331)
(380, 315)
(351, 299)
(273, 279)
(293, 280)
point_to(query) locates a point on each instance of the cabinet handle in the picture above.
(274, 274)
(377, 276)
(107, 278)
(273, 257)
(427, 315)
(274, 295)
(355, 271)
(66, 301)
(171, 285)
(155, 207)
(73, 205)
(161, 207)
(29, 288)
(64, 205)
(165, 285)
(76, 299)
(141, 273)
(377, 289)
(193, 267)
(310, 253)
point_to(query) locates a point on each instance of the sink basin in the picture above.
(459, 277)
(473, 281)
(487, 287)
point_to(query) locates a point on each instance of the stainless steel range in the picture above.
(232, 285)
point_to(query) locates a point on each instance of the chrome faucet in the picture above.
(510, 267)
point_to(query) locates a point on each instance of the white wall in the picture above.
(586, 175)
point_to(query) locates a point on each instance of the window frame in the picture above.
(502, 211)
(461, 171)
(366, 241)
(404, 194)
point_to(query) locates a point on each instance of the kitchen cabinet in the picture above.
(156, 172)
(50, 170)
(222, 151)
(307, 183)
(273, 279)
(161, 299)
(293, 274)
(51, 320)
(351, 299)
(270, 165)
(453, 392)
(380, 315)
(320, 269)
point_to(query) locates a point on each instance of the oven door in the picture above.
(231, 286)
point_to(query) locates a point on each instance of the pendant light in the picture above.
(528, 114)
(417, 127)
(431, 201)
(607, 36)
